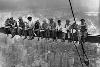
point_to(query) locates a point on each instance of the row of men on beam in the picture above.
(34, 28)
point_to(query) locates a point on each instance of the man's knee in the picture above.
(63, 35)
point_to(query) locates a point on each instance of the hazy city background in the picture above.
(25, 53)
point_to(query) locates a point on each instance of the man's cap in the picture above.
(82, 20)
(59, 21)
(29, 18)
(67, 20)
(50, 18)
(44, 20)
(20, 18)
(11, 17)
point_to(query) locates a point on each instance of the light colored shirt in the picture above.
(67, 27)
(59, 27)
(64, 30)
(30, 24)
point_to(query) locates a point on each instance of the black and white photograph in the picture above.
(49, 33)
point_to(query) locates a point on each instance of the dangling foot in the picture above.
(20, 35)
(30, 38)
(25, 37)
(41, 37)
(7, 35)
(56, 40)
(33, 37)
(63, 40)
(68, 41)
(53, 40)
(86, 62)
(38, 39)
(12, 36)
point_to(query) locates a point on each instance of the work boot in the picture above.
(25, 37)
(86, 62)
(63, 40)
(38, 39)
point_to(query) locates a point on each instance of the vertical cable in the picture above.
(72, 31)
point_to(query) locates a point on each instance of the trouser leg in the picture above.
(42, 34)
(63, 36)
(37, 32)
(7, 31)
(20, 32)
(68, 36)
(15, 31)
(30, 33)
(25, 34)
(58, 34)
(53, 34)
(83, 37)
(68, 33)
(47, 33)
(12, 32)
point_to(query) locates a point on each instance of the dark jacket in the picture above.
(21, 24)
